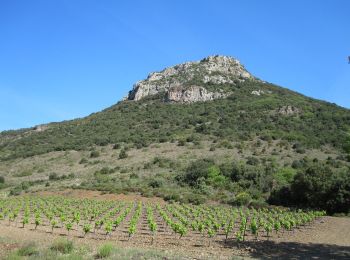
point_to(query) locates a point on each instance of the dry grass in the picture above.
(63, 163)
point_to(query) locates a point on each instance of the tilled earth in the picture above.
(327, 238)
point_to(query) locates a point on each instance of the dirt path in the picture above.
(328, 238)
(329, 230)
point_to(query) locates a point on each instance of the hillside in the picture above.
(211, 112)
(251, 109)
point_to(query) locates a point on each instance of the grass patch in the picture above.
(28, 250)
(23, 174)
(135, 253)
(63, 246)
(105, 250)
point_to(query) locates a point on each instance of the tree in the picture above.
(215, 177)
(197, 170)
(284, 176)
(310, 187)
(316, 187)
(338, 199)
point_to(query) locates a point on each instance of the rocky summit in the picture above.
(193, 81)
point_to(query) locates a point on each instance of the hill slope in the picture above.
(237, 107)
(205, 130)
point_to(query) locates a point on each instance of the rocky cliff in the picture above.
(193, 81)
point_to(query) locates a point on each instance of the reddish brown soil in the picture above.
(326, 238)
(99, 195)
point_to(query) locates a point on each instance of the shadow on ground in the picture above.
(291, 250)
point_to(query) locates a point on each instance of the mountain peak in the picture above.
(193, 81)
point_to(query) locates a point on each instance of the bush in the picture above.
(83, 161)
(156, 183)
(105, 250)
(106, 170)
(196, 199)
(252, 160)
(116, 146)
(197, 170)
(181, 143)
(53, 176)
(284, 176)
(296, 164)
(214, 177)
(63, 246)
(123, 154)
(172, 197)
(23, 174)
(28, 250)
(242, 199)
(94, 154)
(2, 179)
(134, 176)
(316, 187)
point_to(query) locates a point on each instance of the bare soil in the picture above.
(327, 238)
(90, 194)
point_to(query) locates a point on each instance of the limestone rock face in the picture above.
(191, 94)
(288, 110)
(40, 128)
(188, 82)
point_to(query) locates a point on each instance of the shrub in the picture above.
(123, 154)
(300, 150)
(242, 199)
(196, 199)
(156, 183)
(106, 170)
(214, 176)
(2, 179)
(134, 176)
(63, 246)
(23, 174)
(162, 162)
(316, 187)
(83, 161)
(105, 250)
(28, 250)
(116, 146)
(296, 164)
(172, 197)
(284, 176)
(94, 154)
(53, 176)
(197, 170)
(252, 160)
(181, 143)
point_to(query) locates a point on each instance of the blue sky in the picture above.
(65, 59)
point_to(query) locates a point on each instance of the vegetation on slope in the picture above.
(242, 116)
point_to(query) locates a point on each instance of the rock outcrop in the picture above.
(40, 128)
(191, 94)
(288, 110)
(188, 82)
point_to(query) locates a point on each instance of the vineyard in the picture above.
(153, 223)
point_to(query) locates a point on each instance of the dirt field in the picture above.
(327, 238)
